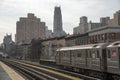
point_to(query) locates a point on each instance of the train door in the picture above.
(119, 56)
(59, 57)
(73, 54)
(103, 60)
(70, 58)
(88, 59)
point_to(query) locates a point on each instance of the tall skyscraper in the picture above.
(58, 30)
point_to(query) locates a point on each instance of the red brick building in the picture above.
(104, 34)
(98, 35)
(78, 39)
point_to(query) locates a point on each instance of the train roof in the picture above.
(114, 44)
(90, 46)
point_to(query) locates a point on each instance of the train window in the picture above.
(62, 54)
(73, 53)
(116, 43)
(95, 45)
(79, 54)
(109, 55)
(90, 54)
(84, 54)
(57, 54)
(98, 55)
(119, 51)
(65, 54)
(93, 55)
(87, 54)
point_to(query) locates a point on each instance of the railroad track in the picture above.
(40, 72)
(29, 73)
(84, 77)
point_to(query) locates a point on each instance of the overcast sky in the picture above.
(72, 10)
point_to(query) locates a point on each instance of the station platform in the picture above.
(7, 73)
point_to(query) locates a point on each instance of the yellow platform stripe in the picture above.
(12, 74)
(54, 72)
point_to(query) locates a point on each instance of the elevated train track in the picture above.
(39, 72)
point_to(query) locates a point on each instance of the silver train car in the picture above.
(93, 59)
(113, 59)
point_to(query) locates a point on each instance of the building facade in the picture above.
(104, 34)
(83, 26)
(48, 33)
(70, 40)
(49, 47)
(78, 39)
(35, 50)
(115, 21)
(29, 28)
(107, 30)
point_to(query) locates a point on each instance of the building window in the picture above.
(95, 38)
(113, 35)
(103, 36)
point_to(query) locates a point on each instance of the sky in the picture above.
(72, 10)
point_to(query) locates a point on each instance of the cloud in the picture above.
(72, 10)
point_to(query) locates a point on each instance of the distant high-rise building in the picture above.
(104, 21)
(7, 42)
(58, 30)
(115, 21)
(29, 28)
(83, 26)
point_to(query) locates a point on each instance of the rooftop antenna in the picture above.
(57, 4)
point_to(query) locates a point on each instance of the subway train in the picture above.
(100, 60)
